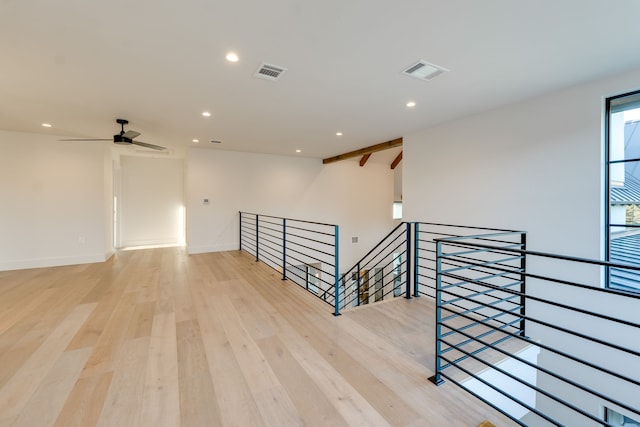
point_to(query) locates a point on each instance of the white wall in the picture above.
(535, 166)
(358, 199)
(151, 201)
(53, 203)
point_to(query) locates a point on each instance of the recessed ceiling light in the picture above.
(298, 151)
(206, 114)
(411, 104)
(46, 125)
(195, 140)
(338, 133)
(232, 57)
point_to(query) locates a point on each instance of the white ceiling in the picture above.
(80, 64)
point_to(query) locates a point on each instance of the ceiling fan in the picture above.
(123, 138)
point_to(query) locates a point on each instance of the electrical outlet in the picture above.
(205, 201)
(354, 240)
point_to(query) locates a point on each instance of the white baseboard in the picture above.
(212, 248)
(54, 261)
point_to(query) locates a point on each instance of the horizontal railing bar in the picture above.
(288, 219)
(474, 310)
(291, 244)
(518, 401)
(266, 231)
(561, 353)
(482, 335)
(469, 227)
(546, 301)
(487, 264)
(261, 223)
(487, 402)
(531, 386)
(324, 233)
(465, 357)
(559, 328)
(263, 245)
(553, 374)
(290, 235)
(289, 249)
(556, 256)
(306, 263)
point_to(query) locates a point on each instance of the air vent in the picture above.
(215, 141)
(424, 70)
(269, 72)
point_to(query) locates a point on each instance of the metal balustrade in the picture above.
(426, 234)
(382, 273)
(565, 350)
(304, 252)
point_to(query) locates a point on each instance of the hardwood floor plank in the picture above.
(161, 400)
(15, 394)
(85, 403)
(313, 405)
(49, 398)
(123, 403)
(235, 401)
(111, 336)
(198, 402)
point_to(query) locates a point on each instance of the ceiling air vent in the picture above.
(269, 72)
(424, 70)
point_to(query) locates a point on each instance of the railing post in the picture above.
(358, 289)
(306, 277)
(437, 379)
(408, 262)
(284, 249)
(336, 299)
(257, 232)
(523, 283)
(240, 235)
(416, 265)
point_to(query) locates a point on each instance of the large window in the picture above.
(623, 188)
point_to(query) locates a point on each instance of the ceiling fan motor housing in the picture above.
(121, 139)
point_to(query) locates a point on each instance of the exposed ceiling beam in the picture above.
(368, 150)
(364, 159)
(396, 161)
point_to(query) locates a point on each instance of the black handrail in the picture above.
(554, 331)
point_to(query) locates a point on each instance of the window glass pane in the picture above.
(624, 134)
(624, 194)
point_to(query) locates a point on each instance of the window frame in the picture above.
(607, 181)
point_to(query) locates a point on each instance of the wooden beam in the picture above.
(396, 161)
(368, 150)
(364, 159)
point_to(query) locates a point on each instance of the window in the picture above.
(622, 174)
(397, 210)
(617, 419)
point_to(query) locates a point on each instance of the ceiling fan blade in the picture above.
(144, 144)
(131, 134)
(85, 139)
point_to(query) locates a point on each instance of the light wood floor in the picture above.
(160, 338)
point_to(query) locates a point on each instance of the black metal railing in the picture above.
(426, 234)
(304, 252)
(576, 362)
(382, 273)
